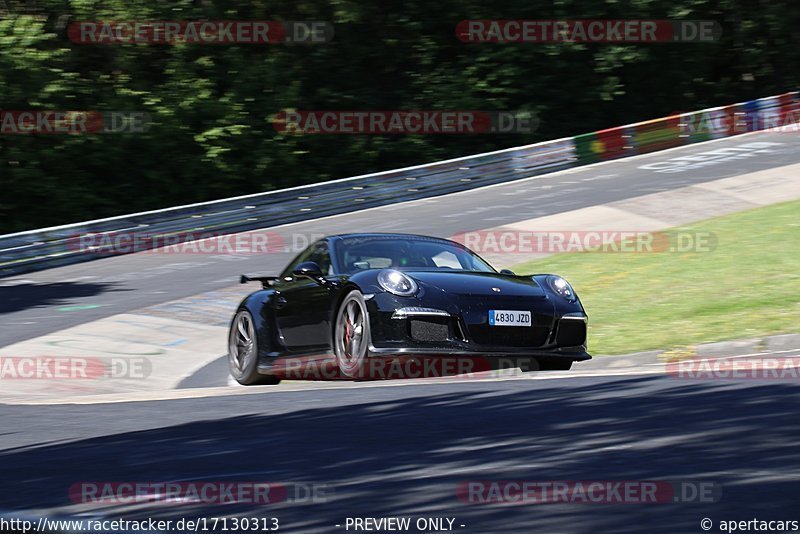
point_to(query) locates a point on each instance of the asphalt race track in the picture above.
(403, 451)
(402, 448)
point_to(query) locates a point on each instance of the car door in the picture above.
(303, 305)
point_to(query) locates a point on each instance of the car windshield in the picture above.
(370, 252)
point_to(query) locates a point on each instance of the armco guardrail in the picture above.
(51, 247)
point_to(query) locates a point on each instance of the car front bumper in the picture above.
(408, 327)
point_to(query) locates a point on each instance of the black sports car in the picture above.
(359, 298)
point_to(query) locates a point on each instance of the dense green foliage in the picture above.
(211, 106)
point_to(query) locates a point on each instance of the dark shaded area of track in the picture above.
(393, 451)
(28, 295)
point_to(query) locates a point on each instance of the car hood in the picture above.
(478, 284)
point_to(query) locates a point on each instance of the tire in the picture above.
(351, 335)
(243, 352)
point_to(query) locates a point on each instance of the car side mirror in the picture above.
(508, 272)
(308, 269)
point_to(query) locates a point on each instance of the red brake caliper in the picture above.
(348, 329)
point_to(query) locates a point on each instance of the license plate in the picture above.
(509, 318)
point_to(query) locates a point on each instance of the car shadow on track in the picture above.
(404, 451)
(25, 296)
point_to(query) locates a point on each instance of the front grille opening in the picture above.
(571, 333)
(429, 329)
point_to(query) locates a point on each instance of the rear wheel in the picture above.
(351, 335)
(243, 352)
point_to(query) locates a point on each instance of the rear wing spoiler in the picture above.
(266, 281)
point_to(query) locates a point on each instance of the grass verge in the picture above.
(747, 286)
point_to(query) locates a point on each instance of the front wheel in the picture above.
(351, 335)
(243, 352)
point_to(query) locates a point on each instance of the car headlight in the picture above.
(561, 287)
(397, 283)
